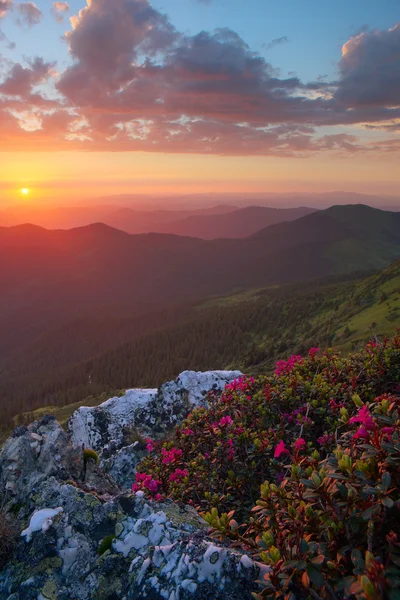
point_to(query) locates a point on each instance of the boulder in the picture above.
(79, 542)
(149, 412)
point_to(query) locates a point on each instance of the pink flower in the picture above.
(300, 444)
(280, 449)
(284, 367)
(360, 433)
(150, 445)
(388, 430)
(159, 497)
(170, 456)
(187, 431)
(225, 421)
(178, 474)
(312, 352)
(207, 455)
(364, 417)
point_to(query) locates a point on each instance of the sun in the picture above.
(25, 191)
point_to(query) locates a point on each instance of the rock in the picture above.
(83, 538)
(126, 547)
(122, 465)
(151, 412)
(35, 453)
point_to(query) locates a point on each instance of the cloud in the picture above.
(59, 10)
(29, 13)
(277, 42)
(20, 80)
(136, 83)
(5, 6)
(370, 69)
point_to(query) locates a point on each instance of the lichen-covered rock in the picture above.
(121, 465)
(82, 538)
(150, 411)
(123, 548)
(35, 453)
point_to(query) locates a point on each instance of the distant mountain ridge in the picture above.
(240, 223)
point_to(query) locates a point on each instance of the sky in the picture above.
(198, 96)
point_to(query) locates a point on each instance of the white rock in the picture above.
(41, 520)
(147, 409)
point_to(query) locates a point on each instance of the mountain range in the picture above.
(68, 295)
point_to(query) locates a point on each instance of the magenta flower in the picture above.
(280, 449)
(312, 352)
(178, 474)
(364, 417)
(170, 456)
(187, 431)
(225, 421)
(300, 444)
(149, 445)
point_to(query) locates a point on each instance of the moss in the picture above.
(48, 565)
(105, 544)
(50, 590)
(89, 454)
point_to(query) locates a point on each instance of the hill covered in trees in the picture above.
(250, 330)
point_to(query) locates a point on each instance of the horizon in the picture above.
(184, 97)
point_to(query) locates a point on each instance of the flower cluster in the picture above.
(286, 366)
(247, 434)
(147, 484)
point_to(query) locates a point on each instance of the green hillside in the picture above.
(250, 330)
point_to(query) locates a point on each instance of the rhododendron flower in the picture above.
(326, 439)
(286, 366)
(360, 433)
(364, 417)
(169, 456)
(149, 445)
(207, 455)
(280, 449)
(300, 444)
(178, 474)
(187, 431)
(388, 430)
(312, 352)
(226, 421)
(158, 497)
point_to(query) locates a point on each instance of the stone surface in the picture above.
(149, 411)
(86, 544)
(83, 538)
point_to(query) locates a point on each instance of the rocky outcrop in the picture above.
(148, 411)
(83, 537)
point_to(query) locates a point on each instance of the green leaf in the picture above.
(386, 481)
(318, 560)
(315, 576)
(388, 502)
(356, 556)
(371, 512)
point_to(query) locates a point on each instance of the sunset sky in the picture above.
(185, 96)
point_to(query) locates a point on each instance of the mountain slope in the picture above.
(250, 331)
(48, 278)
(237, 224)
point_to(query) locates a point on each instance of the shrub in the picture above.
(221, 454)
(8, 536)
(332, 526)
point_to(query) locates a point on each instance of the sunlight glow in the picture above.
(25, 191)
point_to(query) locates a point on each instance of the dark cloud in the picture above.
(370, 69)
(20, 80)
(29, 14)
(276, 42)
